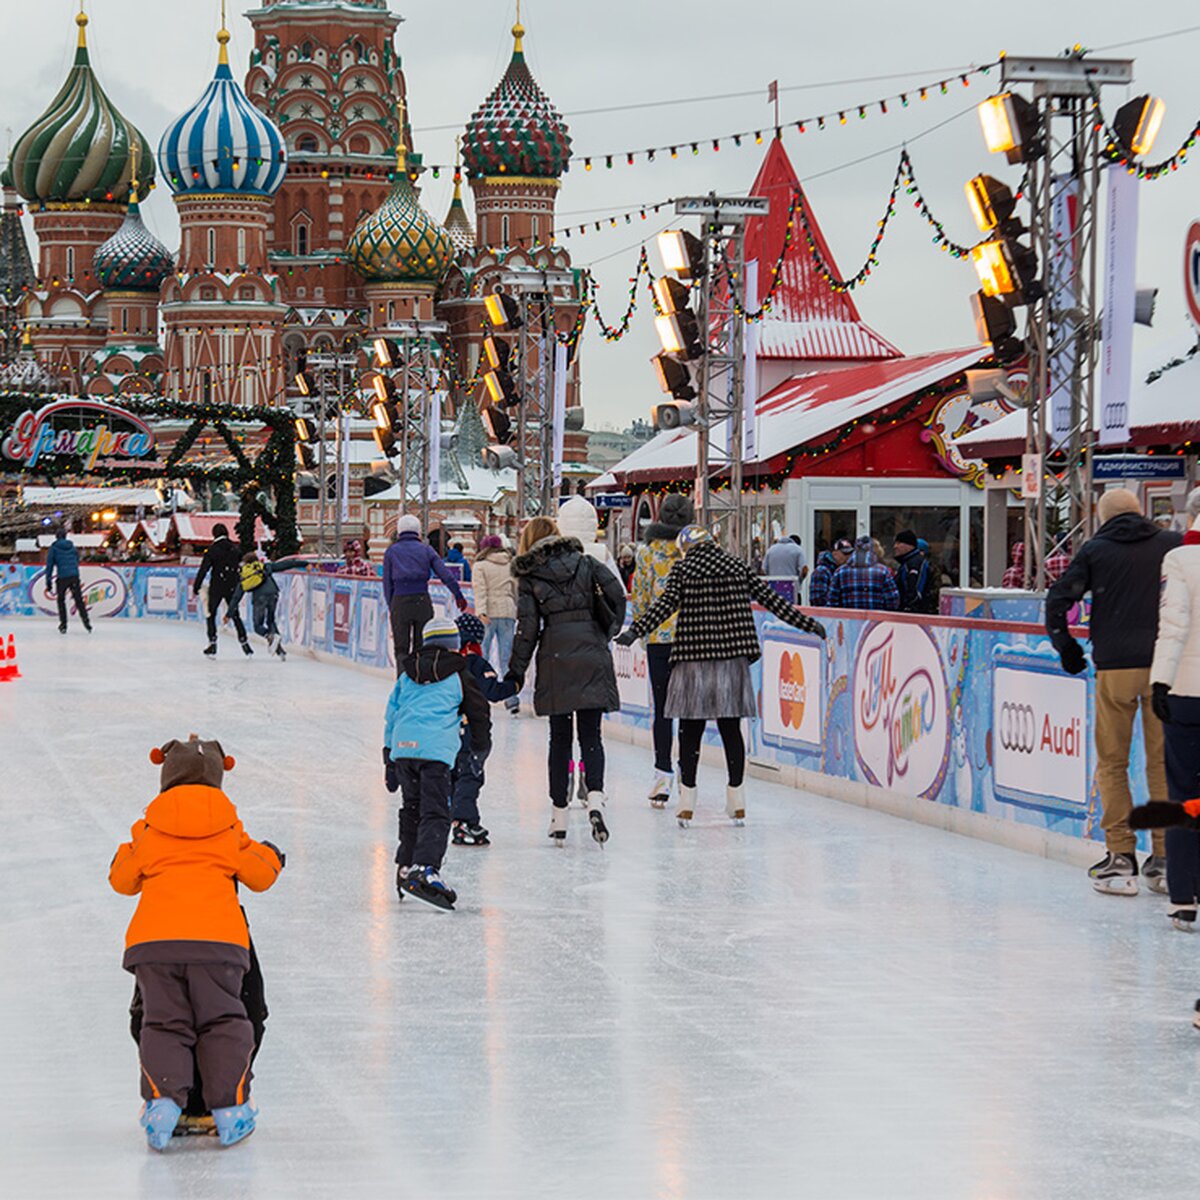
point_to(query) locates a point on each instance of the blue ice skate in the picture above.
(159, 1118)
(235, 1123)
(426, 884)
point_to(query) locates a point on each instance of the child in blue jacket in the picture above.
(435, 692)
(467, 778)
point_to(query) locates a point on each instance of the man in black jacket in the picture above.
(1121, 567)
(224, 560)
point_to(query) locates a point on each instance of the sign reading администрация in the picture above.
(92, 432)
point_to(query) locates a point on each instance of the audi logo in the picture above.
(1018, 727)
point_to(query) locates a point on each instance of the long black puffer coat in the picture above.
(556, 582)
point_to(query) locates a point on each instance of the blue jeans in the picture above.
(499, 632)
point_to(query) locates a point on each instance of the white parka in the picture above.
(1177, 650)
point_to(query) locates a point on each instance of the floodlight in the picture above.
(679, 334)
(304, 430)
(502, 310)
(382, 413)
(1143, 306)
(671, 295)
(497, 353)
(386, 443)
(1010, 127)
(499, 458)
(671, 414)
(1006, 268)
(498, 425)
(384, 388)
(1137, 123)
(573, 419)
(991, 202)
(995, 325)
(682, 252)
(500, 388)
(387, 352)
(673, 377)
(304, 383)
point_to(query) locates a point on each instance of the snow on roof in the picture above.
(807, 319)
(805, 408)
(198, 527)
(483, 486)
(101, 497)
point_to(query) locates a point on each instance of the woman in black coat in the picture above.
(569, 607)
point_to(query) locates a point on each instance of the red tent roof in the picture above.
(808, 319)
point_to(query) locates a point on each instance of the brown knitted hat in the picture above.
(193, 762)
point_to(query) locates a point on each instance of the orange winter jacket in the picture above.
(184, 859)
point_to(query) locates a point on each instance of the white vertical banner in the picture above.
(344, 437)
(1064, 289)
(434, 482)
(560, 411)
(750, 376)
(1120, 287)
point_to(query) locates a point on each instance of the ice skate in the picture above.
(558, 824)
(469, 835)
(210, 651)
(1115, 875)
(661, 788)
(235, 1123)
(280, 652)
(735, 803)
(595, 806)
(687, 806)
(159, 1118)
(1183, 917)
(581, 788)
(1154, 872)
(247, 649)
(1196, 1015)
(424, 883)
(401, 873)
(202, 1126)
(270, 641)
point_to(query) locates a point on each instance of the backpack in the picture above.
(253, 574)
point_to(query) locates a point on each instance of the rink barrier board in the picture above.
(969, 715)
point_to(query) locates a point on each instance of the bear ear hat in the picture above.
(159, 753)
(227, 760)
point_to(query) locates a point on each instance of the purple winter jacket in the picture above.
(407, 566)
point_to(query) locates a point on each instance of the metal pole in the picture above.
(703, 498)
(737, 383)
(339, 496)
(404, 455)
(524, 466)
(428, 466)
(322, 472)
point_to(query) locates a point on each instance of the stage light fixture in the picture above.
(682, 252)
(1137, 123)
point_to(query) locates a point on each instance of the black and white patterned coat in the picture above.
(712, 592)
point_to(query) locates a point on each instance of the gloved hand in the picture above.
(391, 772)
(1074, 661)
(462, 605)
(627, 638)
(279, 853)
(1160, 814)
(513, 677)
(1159, 703)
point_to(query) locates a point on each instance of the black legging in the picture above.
(562, 743)
(658, 660)
(691, 736)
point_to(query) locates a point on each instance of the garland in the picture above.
(1116, 151)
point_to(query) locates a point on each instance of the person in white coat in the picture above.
(1175, 695)
(577, 518)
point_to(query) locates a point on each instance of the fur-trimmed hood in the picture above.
(541, 553)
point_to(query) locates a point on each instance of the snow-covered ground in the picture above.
(827, 1003)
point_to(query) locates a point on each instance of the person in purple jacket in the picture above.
(407, 566)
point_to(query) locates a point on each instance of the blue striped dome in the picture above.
(223, 143)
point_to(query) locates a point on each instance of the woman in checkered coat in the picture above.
(715, 643)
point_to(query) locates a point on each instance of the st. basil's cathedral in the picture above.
(301, 224)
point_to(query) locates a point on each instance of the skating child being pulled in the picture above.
(435, 692)
(188, 944)
(467, 778)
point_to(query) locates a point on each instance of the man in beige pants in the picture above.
(1120, 567)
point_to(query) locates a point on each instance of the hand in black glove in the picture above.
(279, 853)
(513, 677)
(627, 638)
(1074, 661)
(1159, 703)
(1159, 814)
(817, 628)
(391, 772)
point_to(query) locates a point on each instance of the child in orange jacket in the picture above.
(188, 944)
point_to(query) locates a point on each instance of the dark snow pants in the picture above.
(216, 598)
(62, 587)
(467, 780)
(425, 816)
(194, 1009)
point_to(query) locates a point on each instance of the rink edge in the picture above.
(1027, 839)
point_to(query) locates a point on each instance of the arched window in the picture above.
(360, 51)
(307, 144)
(70, 262)
(301, 240)
(306, 51)
(359, 144)
(534, 231)
(241, 239)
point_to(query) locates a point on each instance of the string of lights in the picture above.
(1117, 151)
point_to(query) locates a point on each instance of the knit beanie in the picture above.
(441, 631)
(470, 628)
(408, 524)
(906, 537)
(676, 510)
(491, 542)
(1114, 503)
(692, 536)
(193, 761)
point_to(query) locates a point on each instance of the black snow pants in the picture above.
(425, 816)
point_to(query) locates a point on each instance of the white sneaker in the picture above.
(661, 788)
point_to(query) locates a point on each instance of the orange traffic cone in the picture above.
(5, 670)
(10, 670)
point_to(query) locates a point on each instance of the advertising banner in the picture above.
(1064, 288)
(793, 689)
(341, 616)
(1120, 289)
(633, 676)
(1039, 732)
(901, 723)
(104, 592)
(162, 593)
(370, 609)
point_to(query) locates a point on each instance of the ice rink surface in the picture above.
(828, 1003)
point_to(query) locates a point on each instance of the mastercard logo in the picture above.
(793, 690)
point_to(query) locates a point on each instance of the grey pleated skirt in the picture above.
(710, 689)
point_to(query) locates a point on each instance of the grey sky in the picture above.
(154, 57)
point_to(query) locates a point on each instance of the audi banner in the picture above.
(1039, 734)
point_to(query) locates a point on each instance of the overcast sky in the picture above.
(154, 57)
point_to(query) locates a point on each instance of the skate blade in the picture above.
(599, 829)
(738, 818)
(684, 819)
(1184, 926)
(558, 837)
(1157, 885)
(433, 899)
(195, 1127)
(1116, 887)
(659, 801)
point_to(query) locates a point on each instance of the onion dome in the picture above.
(133, 259)
(517, 131)
(400, 242)
(223, 143)
(79, 150)
(457, 224)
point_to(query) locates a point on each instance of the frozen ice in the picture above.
(829, 1002)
